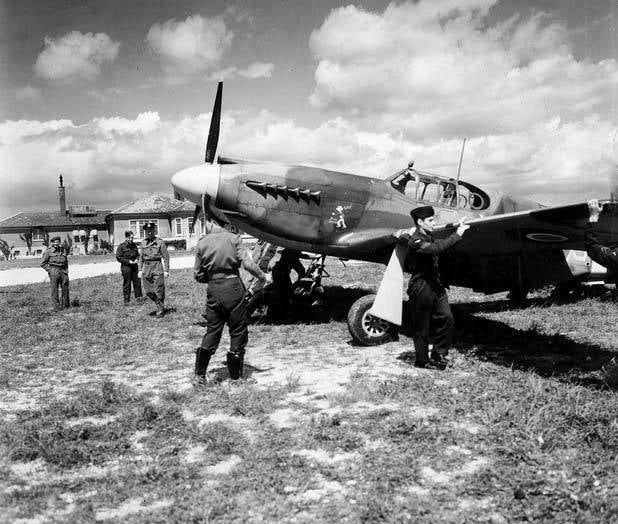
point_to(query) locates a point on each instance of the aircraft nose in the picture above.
(192, 182)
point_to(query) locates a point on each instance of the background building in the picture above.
(172, 218)
(84, 229)
(81, 227)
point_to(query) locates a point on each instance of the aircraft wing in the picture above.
(525, 248)
(560, 227)
(367, 240)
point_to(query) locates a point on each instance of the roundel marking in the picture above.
(546, 237)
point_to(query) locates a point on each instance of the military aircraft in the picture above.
(512, 244)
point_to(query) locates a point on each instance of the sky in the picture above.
(116, 95)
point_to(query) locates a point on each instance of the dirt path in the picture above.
(33, 275)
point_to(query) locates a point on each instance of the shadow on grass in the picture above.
(545, 354)
(601, 293)
(337, 302)
(219, 372)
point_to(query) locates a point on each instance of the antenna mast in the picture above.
(459, 173)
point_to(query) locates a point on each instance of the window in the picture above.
(178, 227)
(38, 252)
(199, 230)
(38, 234)
(137, 226)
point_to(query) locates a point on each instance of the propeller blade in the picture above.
(213, 133)
(215, 214)
(196, 216)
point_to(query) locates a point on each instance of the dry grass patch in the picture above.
(99, 420)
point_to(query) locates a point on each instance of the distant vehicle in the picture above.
(513, 244)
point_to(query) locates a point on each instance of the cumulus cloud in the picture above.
(435, 69)
(258, 70)
(75, 57)
(106, 94)
(189, 48)
(109, 161)
(28, 93)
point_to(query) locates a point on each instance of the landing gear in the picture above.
(366, 329)
(518, 294)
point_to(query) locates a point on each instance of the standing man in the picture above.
(128, 256)
(154, 267)
(56, 263)
(603, 255)
(219, 255)
(432, 318)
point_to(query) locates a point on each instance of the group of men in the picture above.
(148, 264)
(220, 254)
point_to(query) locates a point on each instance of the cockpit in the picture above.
(428, 188)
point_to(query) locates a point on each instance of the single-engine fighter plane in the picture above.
(512, 245)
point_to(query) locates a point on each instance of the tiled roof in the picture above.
(52, 218)
(155, 203)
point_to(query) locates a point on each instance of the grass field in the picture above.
(100, 421)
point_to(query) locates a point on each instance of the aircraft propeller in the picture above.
(211, 149)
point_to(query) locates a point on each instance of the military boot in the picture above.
(160, 308)
(234, 365)
(202, 359)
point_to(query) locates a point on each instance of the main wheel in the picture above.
(366, 329)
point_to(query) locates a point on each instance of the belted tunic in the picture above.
(153, 261)
(56, 263)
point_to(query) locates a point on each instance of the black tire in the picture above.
(367, 330)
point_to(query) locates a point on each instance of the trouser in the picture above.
(59, 277)
(432, 320)
(154, 282)
(225, 304)
(129, 276)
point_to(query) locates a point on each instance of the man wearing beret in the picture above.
(154, 267)
(56, 263)
(432, 320)
(128, 255)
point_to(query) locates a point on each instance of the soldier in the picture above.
(128, 256)
(56, 263)
(603, 255)
(289, 260)
(154, 267)
(432, 317)
(219, 255)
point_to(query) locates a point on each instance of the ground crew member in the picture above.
(154, 267)
(56, 263)
(219, 255)
(128, 256)
(289, 260)
(262, 254)
(603, 255)
(432, 318)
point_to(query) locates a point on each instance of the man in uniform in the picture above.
(154, 267)
(603, 255)
(56, 263)
(219, 255)
(432, 318)
(128, 256)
